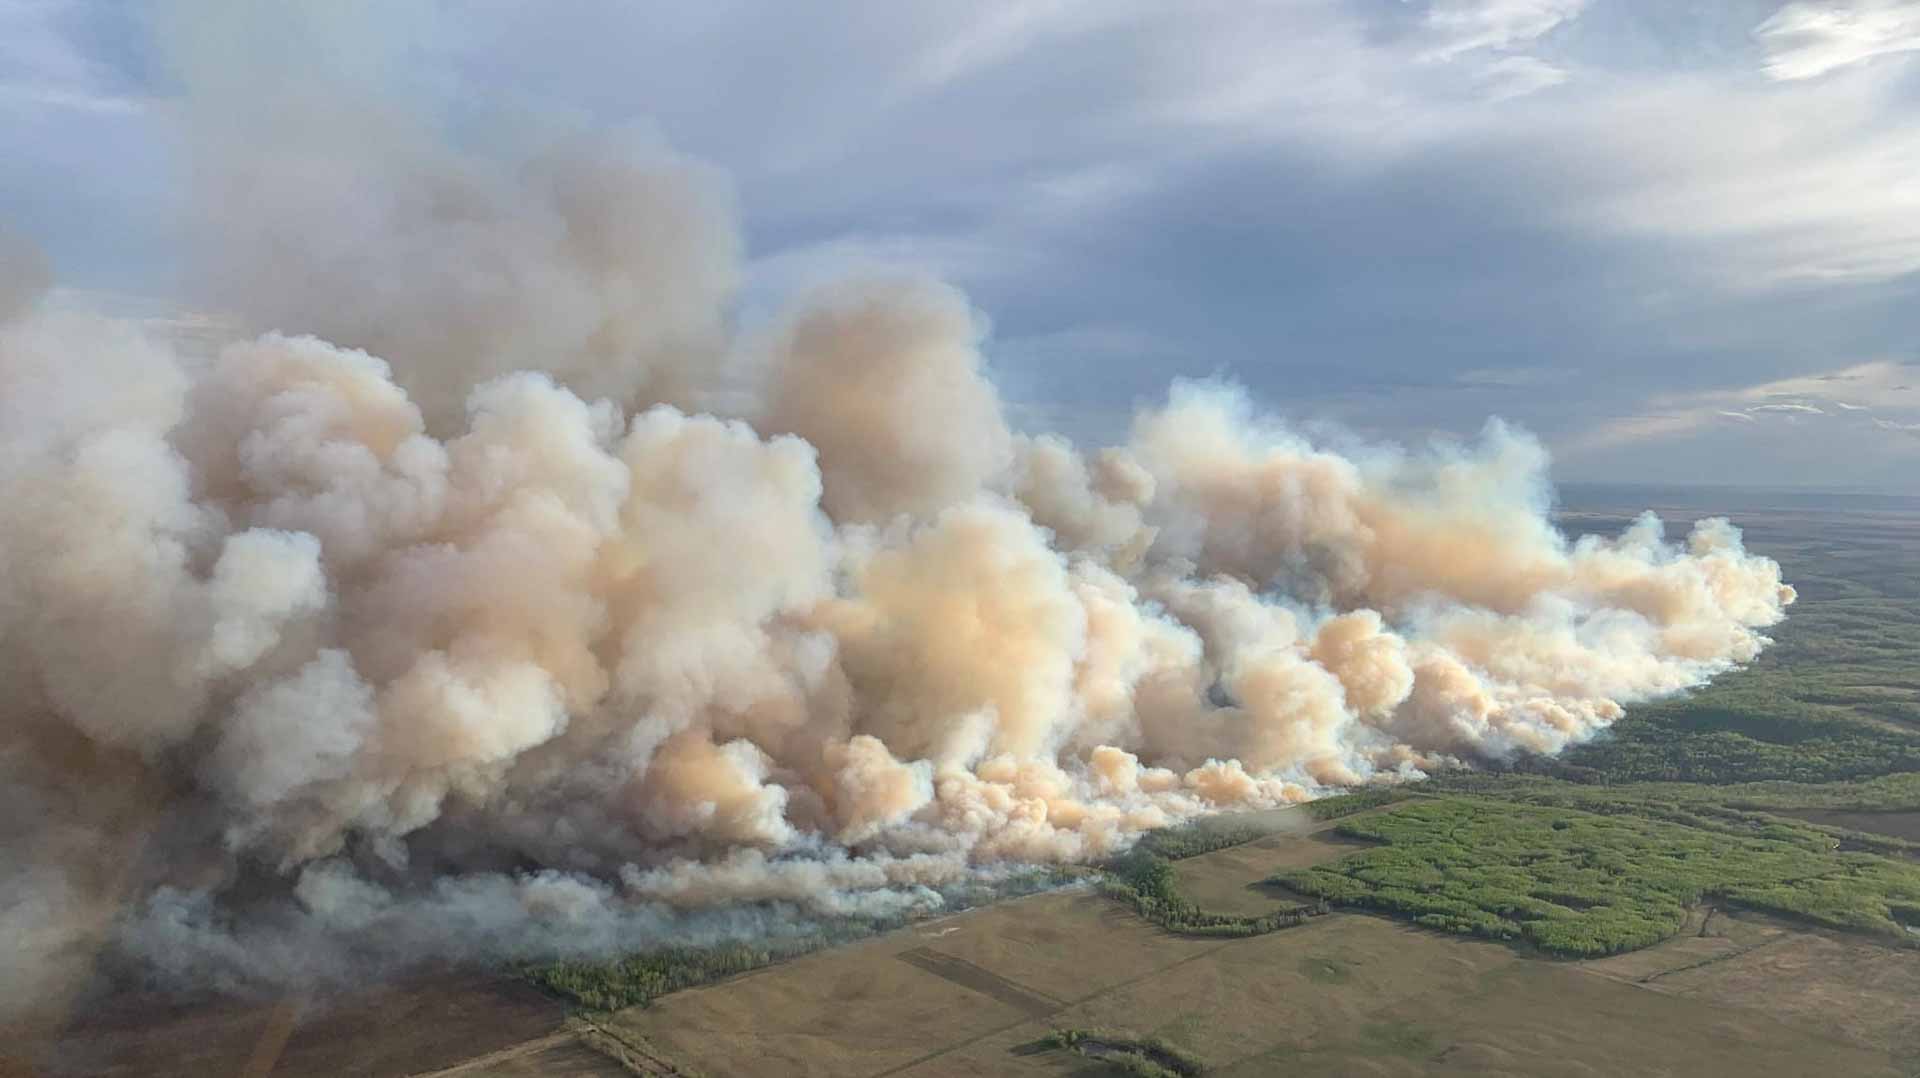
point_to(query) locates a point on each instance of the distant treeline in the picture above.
(636, 979)
(1194, 839)
(1333, 808)
(1705, 741)
(1145, 880)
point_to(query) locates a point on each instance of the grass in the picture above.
(1397, 1039)
(1321, 970)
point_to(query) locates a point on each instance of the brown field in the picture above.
(1904, 825)
(1343, 994)
(1229, 880)
(418, 1028)
(1864, 993)
(1711, 935)
(973, 994)
(1340, 995)
(560, 1057)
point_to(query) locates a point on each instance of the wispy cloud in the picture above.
(1888, 385)
(18, 95)
(1517, 76)
(1776, 186)
(1489, 36)
(1462, 26)
(1805, 40)
(1515, 377)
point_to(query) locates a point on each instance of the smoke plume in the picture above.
(451, 606)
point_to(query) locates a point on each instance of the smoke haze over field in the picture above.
(496, 592)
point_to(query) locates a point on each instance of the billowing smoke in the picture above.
(506, 636)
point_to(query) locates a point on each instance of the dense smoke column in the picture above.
(568, 615)
(679, 665)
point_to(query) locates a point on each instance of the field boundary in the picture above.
(501, 1055)
(979, 979)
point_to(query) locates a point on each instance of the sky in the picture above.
(1678, 241)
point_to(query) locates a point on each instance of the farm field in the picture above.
(1901, 825)
(1343, 994)
(423, 1026)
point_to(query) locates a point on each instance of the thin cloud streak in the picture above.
(1808, 40)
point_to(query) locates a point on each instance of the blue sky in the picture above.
(1679, 241)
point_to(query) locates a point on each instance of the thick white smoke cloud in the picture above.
(642, 648)
(326, 200)
(486, 642)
